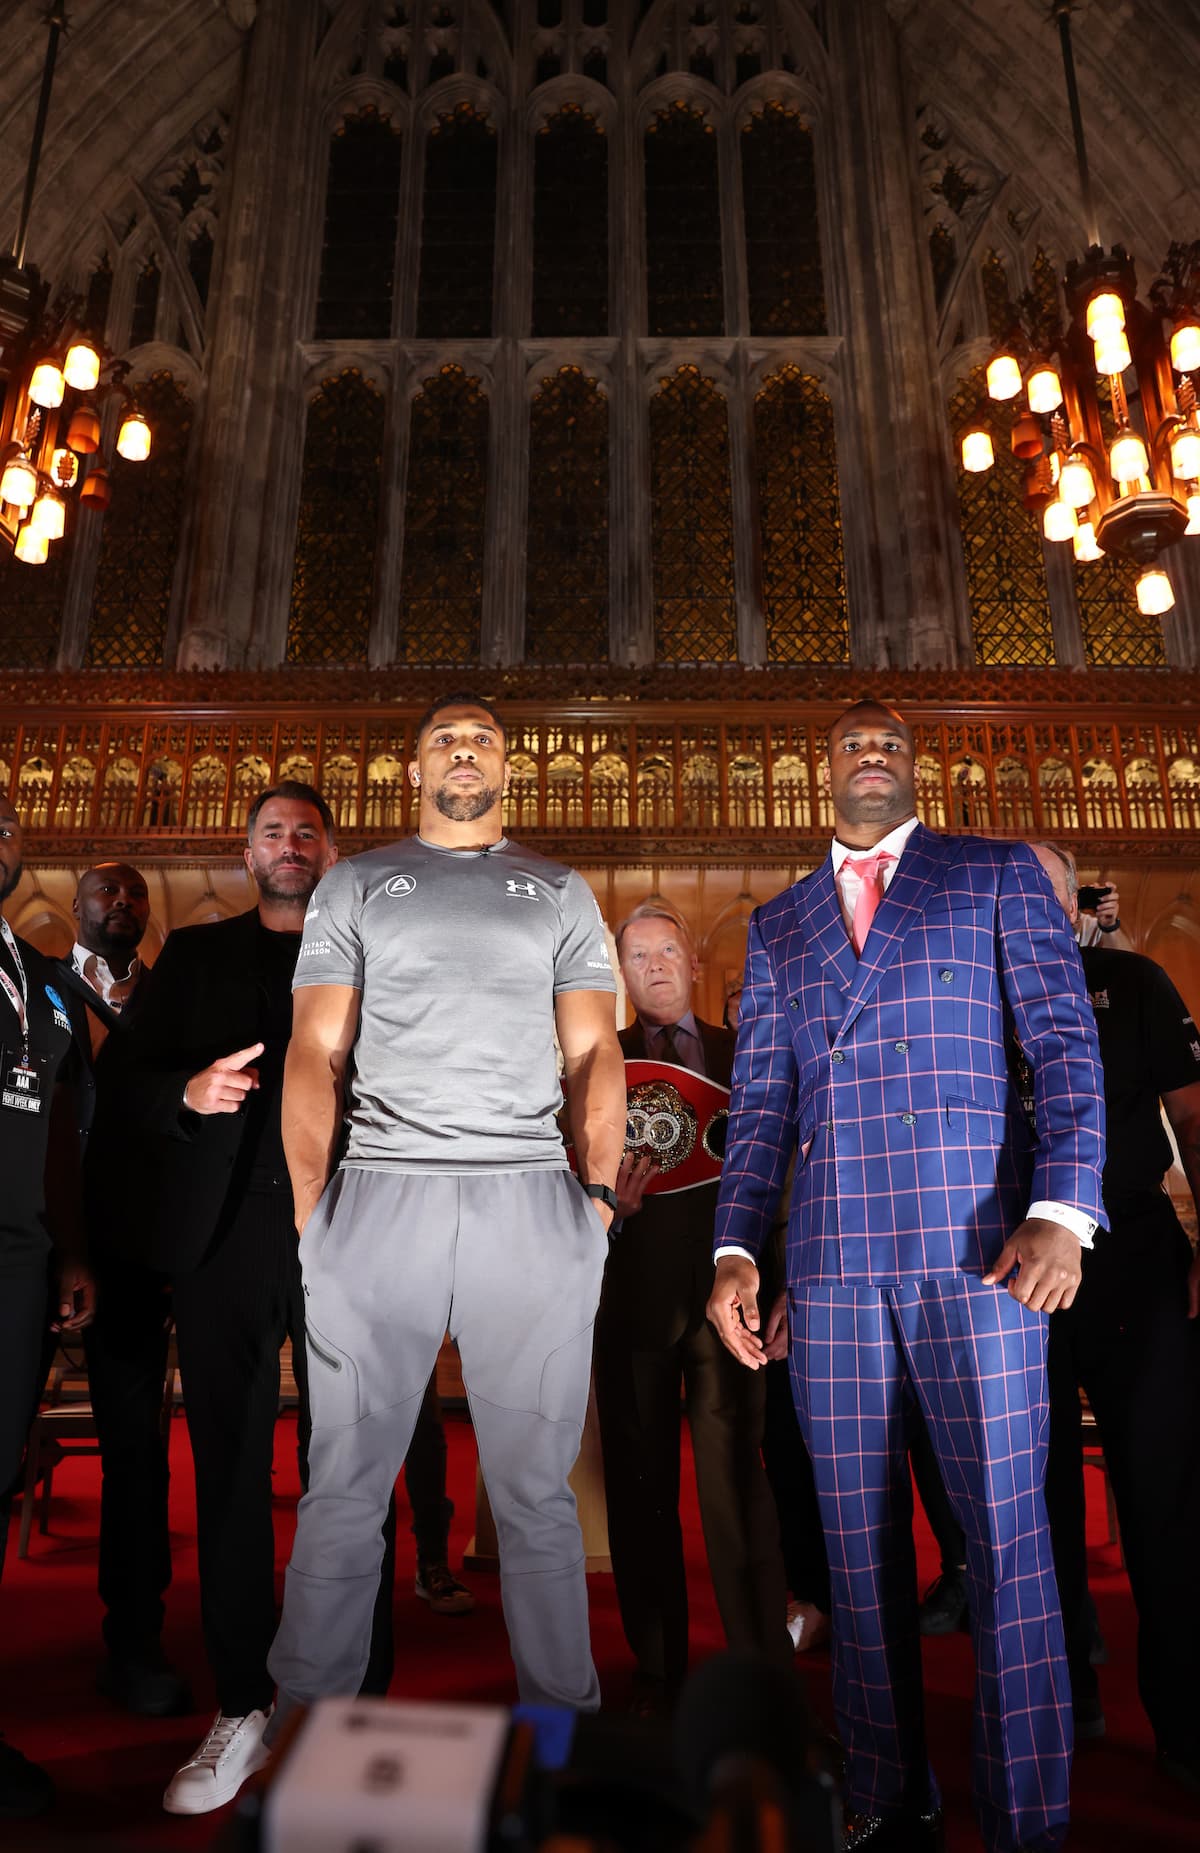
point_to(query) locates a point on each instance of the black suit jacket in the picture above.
(79, 998)
(660, 1268)
(159, 1177)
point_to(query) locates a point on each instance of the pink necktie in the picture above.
(869, 870)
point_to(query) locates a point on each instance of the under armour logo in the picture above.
(525, 888)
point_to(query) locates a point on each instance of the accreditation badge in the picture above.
(22, 1077)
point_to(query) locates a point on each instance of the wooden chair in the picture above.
(66, 1425)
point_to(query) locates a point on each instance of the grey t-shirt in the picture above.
(459, 955)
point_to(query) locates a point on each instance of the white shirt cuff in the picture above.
(733, 1249)
(1074, 1220)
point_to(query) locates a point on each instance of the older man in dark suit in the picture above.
(652, 1336)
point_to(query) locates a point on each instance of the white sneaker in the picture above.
(233, 1750)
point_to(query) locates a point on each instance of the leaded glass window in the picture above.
(570, 226)
(695, 615)
(1002, 545)
(358, 250)
(783, 248)
(567, 554)
(458, 226)
(441, 586)
(683, 225)
(141, 536)
(333, 573)
(31, 600)
(1115, 633)
(99, 295)
(145, 303)
(803, 577)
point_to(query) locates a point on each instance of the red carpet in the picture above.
(111, 1769)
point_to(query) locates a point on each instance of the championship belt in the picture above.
(677, 1118)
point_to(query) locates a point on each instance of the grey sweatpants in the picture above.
(512, 1262)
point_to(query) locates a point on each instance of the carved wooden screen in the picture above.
(458, 226)
(31, 600)
(803, 576)
(441, 587)
(683, 225)
(783, 247)
(570, 226)
(141, 537)
(333, 574)
(567, 555)
(1002, 548)
(695, 618)
(1115, 633)
(358, 249)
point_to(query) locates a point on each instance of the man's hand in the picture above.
(1194, 1287)
(603, 1212)
(775, 1332)
(223, 1087)
(1108, 913)
(733, 1309)
(632, 1178)
(1048, 1263)
(76, 1298)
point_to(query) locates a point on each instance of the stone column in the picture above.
(252, 345)
(913, 612)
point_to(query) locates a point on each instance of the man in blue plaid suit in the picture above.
(930, 1234)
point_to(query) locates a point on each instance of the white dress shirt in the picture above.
(848, 883)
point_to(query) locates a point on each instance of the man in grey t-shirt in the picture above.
(431, 980)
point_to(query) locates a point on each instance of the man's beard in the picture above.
(464, 807)
(10, 882)
(116, 945)
(879, 807)
(269, 890)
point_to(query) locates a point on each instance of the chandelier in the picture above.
(1107, 429)
(55, 380)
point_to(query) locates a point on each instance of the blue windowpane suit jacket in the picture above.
(893, 1074)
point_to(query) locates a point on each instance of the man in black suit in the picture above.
(188, 1124)
(651, 1335)
(126, 1344)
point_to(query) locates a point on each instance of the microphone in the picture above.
(748, 1752)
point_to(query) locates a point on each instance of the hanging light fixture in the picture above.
(1111, 423)
(977, 452)
(46, 354)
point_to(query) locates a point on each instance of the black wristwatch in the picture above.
(603, 1193)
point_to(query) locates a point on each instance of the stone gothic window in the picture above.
(141, 535)
(567, 554)
(1002, 548)
(358, 251)
(441, 585)
(97, 297)
(333, 574)
(145, 303)
(458, 226)
(804, 588)
(1115, 633)
(683, 225)
(695, 615)
(783, 248)
(570, 225)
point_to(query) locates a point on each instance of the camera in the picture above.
(1090, 898)
(742, 1772)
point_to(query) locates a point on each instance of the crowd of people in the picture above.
(915, 1256)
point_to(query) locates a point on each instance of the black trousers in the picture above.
(25, 1350)
(637, 1396)
(794, 1490)
(1128, 1341)
(126, 1349)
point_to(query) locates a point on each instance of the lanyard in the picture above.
(17, 998)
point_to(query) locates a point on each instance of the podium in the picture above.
(587, 1484)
